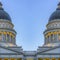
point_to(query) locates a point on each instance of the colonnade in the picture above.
(7, 37)
(52, 37)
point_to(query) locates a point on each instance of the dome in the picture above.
(4, 15)
(55, 15)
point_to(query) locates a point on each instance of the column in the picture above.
(49, 38)
(57, 37)
(45, 38)
(2, 37)
(10, 38)
(6, 37)
(53, 38)
(13, 39)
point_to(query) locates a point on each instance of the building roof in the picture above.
(3, 14)
(56, 14)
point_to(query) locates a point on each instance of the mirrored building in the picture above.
(10, 51)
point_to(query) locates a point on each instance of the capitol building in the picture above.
(50, 49)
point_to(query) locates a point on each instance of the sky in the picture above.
(30, 18)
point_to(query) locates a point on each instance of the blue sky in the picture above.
(30, 18)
